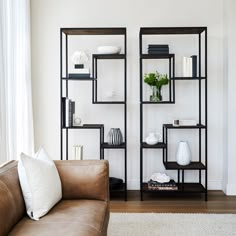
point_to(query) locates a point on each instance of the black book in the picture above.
(194, 65)
(63, 108)
(158, 52)
(158, 46)
(71, 112)
(65, 111)
(79, 76)
(79, 66)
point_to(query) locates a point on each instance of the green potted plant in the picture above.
(156, 81)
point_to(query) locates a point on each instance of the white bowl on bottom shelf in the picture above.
(108, 50)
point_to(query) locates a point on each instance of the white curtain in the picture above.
(16, 118)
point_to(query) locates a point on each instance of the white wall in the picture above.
(229, 186)
(47, 18)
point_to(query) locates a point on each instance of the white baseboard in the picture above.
(230, 189)
(212, 185)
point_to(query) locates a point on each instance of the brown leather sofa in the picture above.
(83, 210)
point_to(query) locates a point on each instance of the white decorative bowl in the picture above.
(108, 50)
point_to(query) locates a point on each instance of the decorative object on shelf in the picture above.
(115, 183)
(109, 49)
(77, 152)
(175, 123)
(68, 109)
(184, 122)
(155, 185)
(190, 66)
(153, 138)
(156, 81)
(160, 177)
(115, 136)
(79, 58)
(158, 49)
(76, 120)
(183, 154)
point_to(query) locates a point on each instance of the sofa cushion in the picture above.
(70, 218)
(12, 206)
(87, 179)
(40, 183)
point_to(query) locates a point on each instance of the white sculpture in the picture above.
(79, 57)
(160, 177)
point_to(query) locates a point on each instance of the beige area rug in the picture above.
(165, 224)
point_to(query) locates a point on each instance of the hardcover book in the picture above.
(154, 185)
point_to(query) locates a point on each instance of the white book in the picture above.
(185, 66)
(187, 122)
(74, 152)
(190, 67)
(79, 152)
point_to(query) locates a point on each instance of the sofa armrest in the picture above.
(87, 179)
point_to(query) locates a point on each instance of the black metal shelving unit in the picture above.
(64, 91)
(201, 164)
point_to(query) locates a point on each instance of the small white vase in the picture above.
(153, 138)
(183, 154)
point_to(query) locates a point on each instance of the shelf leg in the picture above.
(141, 174)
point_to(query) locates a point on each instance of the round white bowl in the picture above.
(109, 50)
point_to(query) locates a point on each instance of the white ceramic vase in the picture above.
(183, 154)
(153, 138)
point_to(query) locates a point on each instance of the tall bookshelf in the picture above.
(199, 163)
(65, 79)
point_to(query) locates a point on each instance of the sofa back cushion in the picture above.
(12, 207)
(40, 183)
(87, 179)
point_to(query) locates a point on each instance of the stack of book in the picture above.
(77, 152)
(79, 73)
(190, 66)
(68, 109)
(158, 49)
(154, 185)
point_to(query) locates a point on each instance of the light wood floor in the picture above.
(217, 203)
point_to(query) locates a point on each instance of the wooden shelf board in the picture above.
(110, 102)
(108, 146)
(78, 79)
(94, 31)
(161, 102)
(182, 188)
(192, 166)
(198, 126)
(158, 145)
(172, 30)
(109, 56)
(86, 126)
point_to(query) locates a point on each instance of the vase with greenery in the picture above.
(156, 81)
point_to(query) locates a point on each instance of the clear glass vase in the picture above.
(156, 94)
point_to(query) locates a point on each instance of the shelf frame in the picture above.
(95, 59)
(65, 78)
(201, 164)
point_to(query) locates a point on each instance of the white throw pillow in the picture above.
(40, 183)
